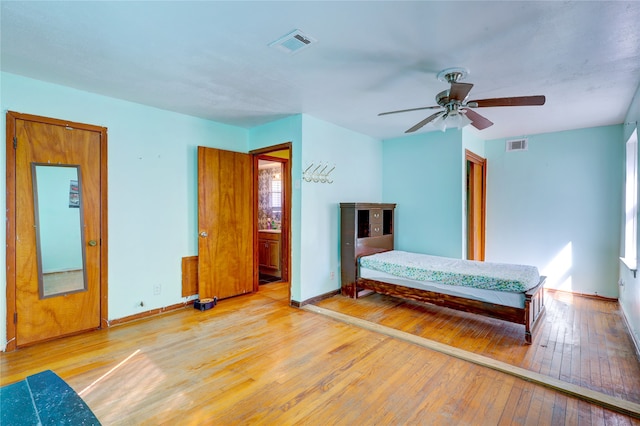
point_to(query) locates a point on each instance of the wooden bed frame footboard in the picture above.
(533, 309)
(528, 316)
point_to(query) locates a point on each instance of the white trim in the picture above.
(630, 252)
(630, 263)
(634, 338)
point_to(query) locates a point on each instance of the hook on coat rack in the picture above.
(318, 174)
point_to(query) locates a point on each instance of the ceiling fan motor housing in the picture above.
(451, 105)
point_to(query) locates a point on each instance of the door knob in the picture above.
(93, 243)
(203, 234)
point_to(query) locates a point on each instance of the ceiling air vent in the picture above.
(293, 42)
(517, 145)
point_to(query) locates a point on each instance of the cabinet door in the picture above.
(263, 252)
(274, 254)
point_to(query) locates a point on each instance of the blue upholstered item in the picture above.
(43, 399)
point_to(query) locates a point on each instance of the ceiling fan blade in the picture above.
(515, 101)
(477, 121)
(459, 91)
(410, 109)
(425, 121)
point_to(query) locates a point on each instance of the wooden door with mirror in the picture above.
(56, 228)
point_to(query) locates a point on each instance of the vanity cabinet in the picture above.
(269, 252)
(364, 229)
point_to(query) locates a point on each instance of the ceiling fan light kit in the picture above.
(450, 121)
(457, 112)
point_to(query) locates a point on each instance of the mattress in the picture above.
(456, 275)
(504, 298)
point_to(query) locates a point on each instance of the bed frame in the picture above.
(367, 228)
(527, 316)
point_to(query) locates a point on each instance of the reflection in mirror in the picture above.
(59, 220)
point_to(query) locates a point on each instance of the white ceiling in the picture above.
(212, 59)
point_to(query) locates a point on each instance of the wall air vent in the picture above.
(517, 145)
(293, 42)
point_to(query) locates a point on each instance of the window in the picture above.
(276, 195)
(631, 203)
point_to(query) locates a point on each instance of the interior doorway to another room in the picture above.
(476, 205)
(273, 185)
(269, 220)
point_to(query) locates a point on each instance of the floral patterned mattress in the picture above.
(445, 270)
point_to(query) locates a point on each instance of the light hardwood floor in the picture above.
(255, 360)
(582, 340)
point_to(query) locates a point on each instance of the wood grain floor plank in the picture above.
(581, 340)
(439, 406)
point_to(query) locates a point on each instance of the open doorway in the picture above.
(476, 205)
(269, 218)
(272, 214)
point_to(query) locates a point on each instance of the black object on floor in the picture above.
(43, 399)
(205, 304)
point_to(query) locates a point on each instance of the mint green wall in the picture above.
(281, 131)
(357, 177)
(152, 186)
(422, 174)
(630, 291)
(315, 246)
(472, 141)
(557, 206)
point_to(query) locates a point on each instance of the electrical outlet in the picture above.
(332, 275)
(157, 289)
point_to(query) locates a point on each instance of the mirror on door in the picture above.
(57, 193)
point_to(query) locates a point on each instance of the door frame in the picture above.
(11, 207)
(285, 233)
(473, 160)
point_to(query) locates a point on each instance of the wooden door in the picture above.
(48, 144)
(225, 223)
(476, 188)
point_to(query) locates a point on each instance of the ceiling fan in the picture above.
(456, 110)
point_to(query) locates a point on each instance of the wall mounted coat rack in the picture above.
(317, 174)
